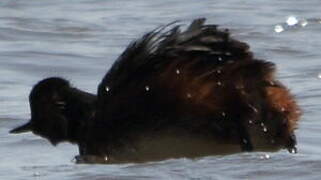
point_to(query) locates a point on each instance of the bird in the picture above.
(174, 92)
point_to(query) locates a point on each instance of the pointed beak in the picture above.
(21, 129)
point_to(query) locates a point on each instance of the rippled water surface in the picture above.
(79, 40)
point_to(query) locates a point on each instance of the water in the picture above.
(79, 40)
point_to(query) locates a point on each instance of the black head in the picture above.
(59, 112)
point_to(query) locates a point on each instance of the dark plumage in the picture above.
(195, 86)
(59, 112)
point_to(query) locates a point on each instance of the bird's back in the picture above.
(198, 82)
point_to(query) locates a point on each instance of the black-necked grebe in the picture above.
(172, 93)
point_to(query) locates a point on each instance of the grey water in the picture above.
(80, 39)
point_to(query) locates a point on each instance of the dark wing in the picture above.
(170, 44)
(168, 71)
(157, 59)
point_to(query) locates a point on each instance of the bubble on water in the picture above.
(278, 28)
(292, 20)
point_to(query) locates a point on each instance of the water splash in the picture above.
(278, 28)
(304, 22)
(293, 22)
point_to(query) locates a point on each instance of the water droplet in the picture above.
(107, 88)
(292, 20)
(244, 141)
(106, 158)
(219, 83)
(250, 122)
(177, 71)
(188, 95)
(223, 114)
(272, 141)
(262, 124)
(272, 83)
(265, 129)
(253, 108)
(220, 58)
(304, 23)
(147, 88)
(282, 109)
(218, 71)
(319, 75)
(278, 28)
(293, 150)
(265, 156)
